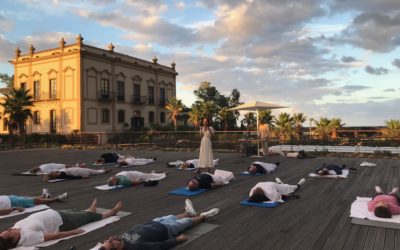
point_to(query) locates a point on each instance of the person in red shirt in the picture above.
(385, 205)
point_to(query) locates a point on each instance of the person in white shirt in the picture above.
(134, 178)
(208, 181)
(74, 173)
(50, 225)
(132, 161)
(274, 191)
(194, 163)
(53, 167)
(10, 203)
(262, 167)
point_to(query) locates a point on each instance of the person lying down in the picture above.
(53, 167)
(11, 203)
(132, 161)
(161, 233)
(385, 205)
(259, 167)
(73, 173)
(274, 191)
(189, 164)
(331, 169)
(134, 178)
(208, 181)
(51, 225)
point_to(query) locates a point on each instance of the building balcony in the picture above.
(105, 96)
(162, 102)
(151, 100)
(50, 96)
(120, 98)
(139, 100)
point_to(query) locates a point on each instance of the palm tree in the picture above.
(174, 106)
(323, 127)
(194, 116)
(224, 115)
(249, 120)
(298, 120)
(17, 104)
(266, 116)
(393, 127)
(284, 125)
(335, 124)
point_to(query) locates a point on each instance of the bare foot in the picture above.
(117, 207)
(92, 208)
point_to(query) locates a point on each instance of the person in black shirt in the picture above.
(202, 181)
(160, 233)
(108, 158)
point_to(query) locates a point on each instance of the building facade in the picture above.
(83, 88)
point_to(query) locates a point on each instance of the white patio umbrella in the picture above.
(258, 106)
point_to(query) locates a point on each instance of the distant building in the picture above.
(82, 88)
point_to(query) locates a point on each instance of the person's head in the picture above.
(252, 169)
(258, 196)
(123, 163)
(183, 165)
(112, 181)
(323, 171)
(193, 184)
(205, 122)
(100, 161)
(113, 243)
(382, 211)
(344, 166)
(9, 238)
(277, 163)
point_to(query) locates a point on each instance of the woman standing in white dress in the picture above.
(206, 152)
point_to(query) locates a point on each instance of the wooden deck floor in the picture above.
(318, 220)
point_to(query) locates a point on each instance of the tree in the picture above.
(194, 116)
(174, 106)
(17, 104)
(335, 124)
(8, 80)
(249, 121)
(225, 115)
(299, 119)
(284, 125)
(322, 126)
(266, 116)
(393, 127)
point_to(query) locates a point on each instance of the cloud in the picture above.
(5, 24)
(7, 49)
(373, 31)
(348, 59)
(376, 71)
(365, 5)
(396, 63)
(180, 5)
(389, 90)
(354, 88)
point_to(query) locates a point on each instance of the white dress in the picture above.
(206, 153)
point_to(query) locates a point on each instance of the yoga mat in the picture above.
(374, 223)
(245, 173)
(27, 210)
(193, 234)
(56, 180)
(88, 228)
(344, 174)
(259, 204)
(186, 169)
(196, 232)
(24, 174)
(105, 164)
(186, 192)
(107, 187)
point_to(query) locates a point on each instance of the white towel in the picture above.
(107, 187)
(359, 209)
(56, 180)
(27, 210)
(344, 174)
(222, 177)
(367, 164)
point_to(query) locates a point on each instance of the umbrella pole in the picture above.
(258, 141)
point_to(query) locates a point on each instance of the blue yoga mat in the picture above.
(186, 192)
(257, 204)
(248, 174)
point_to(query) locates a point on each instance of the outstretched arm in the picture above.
(59, 235)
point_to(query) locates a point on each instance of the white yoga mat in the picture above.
(344, 174)
(105, 164)
(27, 210)
(367, 164)
(359, 209)
(88, 228)
(107, 187)
(56, 180)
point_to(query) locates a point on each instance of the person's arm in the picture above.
(59, 235)
(9, 210)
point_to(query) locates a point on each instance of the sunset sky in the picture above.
(332, 58)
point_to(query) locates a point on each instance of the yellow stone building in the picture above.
(82, 88)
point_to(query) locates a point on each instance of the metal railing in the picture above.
(136, 99)
(105, 95)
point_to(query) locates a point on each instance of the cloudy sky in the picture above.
(331, 58)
